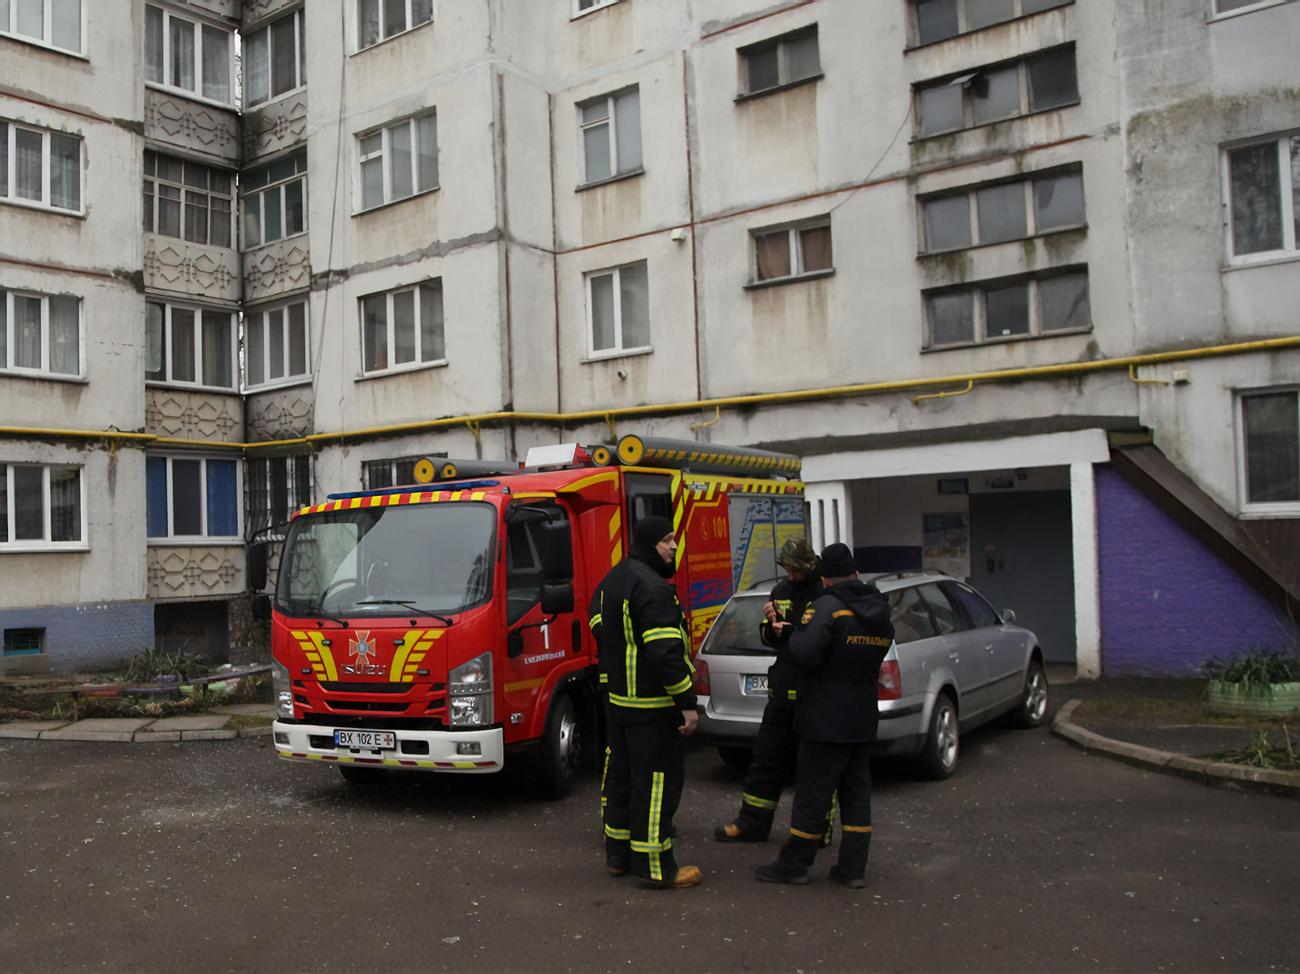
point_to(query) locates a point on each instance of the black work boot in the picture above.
(617, 856)
(851, 870)
(792, 864)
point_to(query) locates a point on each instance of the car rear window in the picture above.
(735, 632)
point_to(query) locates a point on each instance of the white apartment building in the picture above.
(1016, 278)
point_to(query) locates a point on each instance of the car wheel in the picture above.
(1032, 710)
(560, 754)
(367, 777)
(939, 755)
(736, 758)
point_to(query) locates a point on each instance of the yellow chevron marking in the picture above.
(615, 523)
(616, 553)
(609, 476)
(525, 684)
(477, 495)
(455, 494)
(326, 657)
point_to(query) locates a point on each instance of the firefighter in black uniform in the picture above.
(840, 643)
(776, 743)
(645, 662)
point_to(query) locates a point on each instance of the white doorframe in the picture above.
(829, 516)
(1087, 579)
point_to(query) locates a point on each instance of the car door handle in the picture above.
(954, 656)
(989, 647)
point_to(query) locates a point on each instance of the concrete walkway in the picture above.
(212, 726)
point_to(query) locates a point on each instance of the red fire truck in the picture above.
(441, 626)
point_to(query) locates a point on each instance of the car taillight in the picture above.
(702, 677)
(890, 685)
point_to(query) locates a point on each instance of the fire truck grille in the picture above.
(369, 705)
(337, 687)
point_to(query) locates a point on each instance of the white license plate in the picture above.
(368, 740)
(756, 684)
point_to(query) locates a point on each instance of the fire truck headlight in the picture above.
(470, 699)
(282, 690)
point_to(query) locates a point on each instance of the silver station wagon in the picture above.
(956, 663)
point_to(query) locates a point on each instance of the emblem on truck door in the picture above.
(361, 648)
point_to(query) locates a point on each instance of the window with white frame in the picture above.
(618, 310)
(402, 329)
(796, 250)
(398, 160)
(50, 23)
(378, 21)
(393, 472)
(1263, 192)
(992, 94)
(1003, 211)
(586, 6)
(277, 487)
(275, 58)
(1270, 451)
(780, 61)
(40, 334)
(188, 345)
(192, 498)
(188, 200)
(1009, 308)
(1231, 6)
(188, 55)
(276, 345)
(937, 20)
(611, 135)
(39, 167)
(274, 200)
(41, 506)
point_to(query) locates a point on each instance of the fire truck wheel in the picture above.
(560, 754)
(368, 777)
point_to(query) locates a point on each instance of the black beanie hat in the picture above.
(837, 561)
(649, 531)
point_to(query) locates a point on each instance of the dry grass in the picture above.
(1163, 711)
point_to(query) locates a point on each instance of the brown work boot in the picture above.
(686, 876)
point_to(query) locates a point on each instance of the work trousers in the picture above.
(824, 768)
(775, 748)
(646, 767)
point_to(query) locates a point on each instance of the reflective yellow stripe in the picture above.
(792, 694)
(841, 613)
(603, 775)
(757, 802)
(656, 807)
(679, 688)
(613, 833)
(641, 703)
(593, 622)
(629, 657)
(856, 828)
(805, 835)
(661, 633)
(649, 847)
(604, 678)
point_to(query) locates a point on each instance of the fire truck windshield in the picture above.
(374, 561)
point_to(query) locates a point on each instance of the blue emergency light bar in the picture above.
(416, 489)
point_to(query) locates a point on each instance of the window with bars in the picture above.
(398, 161)
(393, 472)
(780, 61)
(187, 55)
(187, 200)
(189, 497)
(1009, 308)
(796, 250)
(277, 487)
(276, 345)
(50, 23)
(187, 345)
(40, 333)
(998, 92)
(997, 212)
(41, 506)
(378, 21)
(39, 167)
(402, 329)
(937, 20)
(274, 200)
(275, 58)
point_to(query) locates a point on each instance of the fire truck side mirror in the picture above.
(256, 562)
(557, 599)
(556, 549)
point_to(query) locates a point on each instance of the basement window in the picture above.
(1269, 434)
(24, 642)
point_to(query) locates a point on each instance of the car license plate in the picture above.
(368, 740)
(756, 684)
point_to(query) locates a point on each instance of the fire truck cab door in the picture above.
(537, 642)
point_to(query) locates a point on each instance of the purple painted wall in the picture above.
(1167, 600)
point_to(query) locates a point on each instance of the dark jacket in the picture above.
(843, 637)
(644, 650)
(791, 601)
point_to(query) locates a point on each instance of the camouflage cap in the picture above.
(797, 554)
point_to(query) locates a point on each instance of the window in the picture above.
(1003, 91)
(1270, 437)
(525, 572)
(981, 614)
(187, 200)
(1003, 211)
(192, 497)
(910, 616)
(937, 20)
(275, 58)
(782, 61)
(377, 21)
(1263, 190)
(399, 161)
(377, 474)
(24, 642)
(611, 135)
(274, 200)
(52, 23)
(946, 617)
(189, 345)
(584, 6)
(798, 250)
(277, 487)
(40, 333)
(40, 506)
(618, 310)
(39, 167)
(1226, 6)
(188, 55)
(275, 345)
(1011, 308)
(402, 329)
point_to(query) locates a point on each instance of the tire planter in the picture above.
(1276, 699)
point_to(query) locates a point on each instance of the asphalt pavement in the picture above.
(207, 856)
